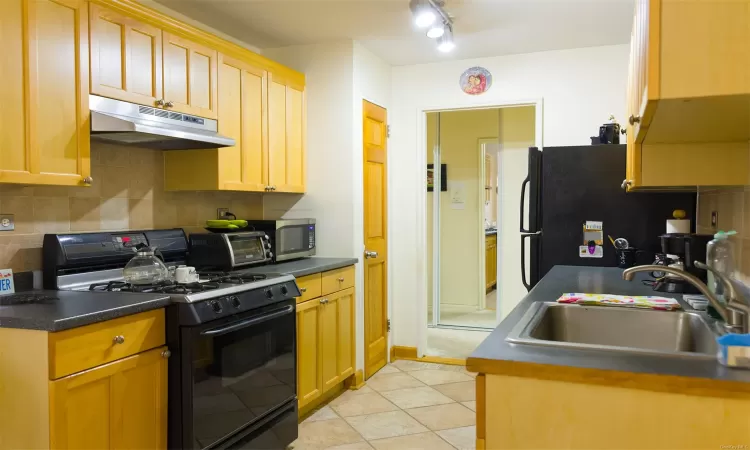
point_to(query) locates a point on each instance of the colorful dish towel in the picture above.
(636, 301)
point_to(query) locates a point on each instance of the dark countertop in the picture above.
(74, 309)
(302, 267)
(490, 232)
(495, 353)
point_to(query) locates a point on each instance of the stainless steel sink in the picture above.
(668, 333)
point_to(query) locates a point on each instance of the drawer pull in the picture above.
(303, 290)
(341, 280)
(166, 354)
(119, 339)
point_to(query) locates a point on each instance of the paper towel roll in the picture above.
(678, 226)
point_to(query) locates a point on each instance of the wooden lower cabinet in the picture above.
(326, 344)
(120, 405)
(490, 261)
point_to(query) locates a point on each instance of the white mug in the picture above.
(185, 274)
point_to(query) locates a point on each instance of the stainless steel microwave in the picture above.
(290, 238)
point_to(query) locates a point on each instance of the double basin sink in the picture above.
(630, 330)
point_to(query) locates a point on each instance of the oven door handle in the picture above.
(248, 322)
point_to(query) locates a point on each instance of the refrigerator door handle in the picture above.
(523, 202)
(525, 282)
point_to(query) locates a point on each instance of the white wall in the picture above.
(580, 89)
(338, 77)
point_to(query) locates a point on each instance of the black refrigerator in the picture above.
(568, 186)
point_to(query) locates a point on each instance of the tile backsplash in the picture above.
(732, 207)
(127, 193)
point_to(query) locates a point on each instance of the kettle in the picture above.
(145, 267)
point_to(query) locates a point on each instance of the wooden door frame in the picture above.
(482, 238)
(421, 276)
(387, 287)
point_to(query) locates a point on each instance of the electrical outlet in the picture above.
(221, 213)
(7, 223)
(714, 219)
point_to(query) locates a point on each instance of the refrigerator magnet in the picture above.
(591, 251)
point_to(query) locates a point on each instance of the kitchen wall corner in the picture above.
(732, 206)
(127, 193)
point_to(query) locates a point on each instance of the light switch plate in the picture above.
(714, 219)
(7, 223)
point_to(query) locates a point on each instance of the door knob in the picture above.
(369, 254)
(88, 180)
(634, 120)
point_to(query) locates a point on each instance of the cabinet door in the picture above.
(120, 405)
(337, 337)
(125, 57)
(346, 335)
(286, 135)
(45, 132)
(190, 79)
(242, 116)
(309, 376)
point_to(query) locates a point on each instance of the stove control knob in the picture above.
(216, 306)
(269, 254)
(269, 293)
(284, 290)
(268, 245)
(234, 301)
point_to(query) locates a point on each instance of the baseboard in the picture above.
(356, 381)
(410, 353)
(321, 401)
(399, 352)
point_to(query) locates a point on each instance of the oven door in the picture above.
(241, 368)
(294, 239)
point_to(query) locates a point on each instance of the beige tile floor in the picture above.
(451, 343)
(408, 405)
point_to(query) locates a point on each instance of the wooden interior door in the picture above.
(242, 116)
(120, 405)
(286, 135)
(309, 374)
(190, 76)
(56, 103)
(374, 147)
(126, 57)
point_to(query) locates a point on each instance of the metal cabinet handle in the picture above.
(159, 102)
(626, 183)
(369, 254)
(632, 120)
(169, 104)
(119, 339)
(88, 180)
(341, 280)
(166, 354)
(323, 301)
(303, 290)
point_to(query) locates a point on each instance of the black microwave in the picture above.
(290, 238)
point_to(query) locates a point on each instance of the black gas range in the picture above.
(232, 336)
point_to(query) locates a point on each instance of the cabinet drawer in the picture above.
(309, 286)
(92, 345)
(336, 280)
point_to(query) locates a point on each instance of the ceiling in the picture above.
(481, 27)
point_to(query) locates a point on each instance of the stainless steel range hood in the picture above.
(119, 122)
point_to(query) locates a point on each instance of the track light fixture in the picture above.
(431, 15)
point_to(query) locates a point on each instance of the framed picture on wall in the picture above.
(431, 177)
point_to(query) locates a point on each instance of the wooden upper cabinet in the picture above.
(689, 94)
(286, 135)
(242, 116)
(126, 57)
(190, 76)
(45, 131)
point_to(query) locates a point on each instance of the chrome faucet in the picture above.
(736, 313)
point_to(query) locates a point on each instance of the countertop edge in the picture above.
(610, 377)
(310, 266)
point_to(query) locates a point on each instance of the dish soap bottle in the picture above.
(720, 257)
